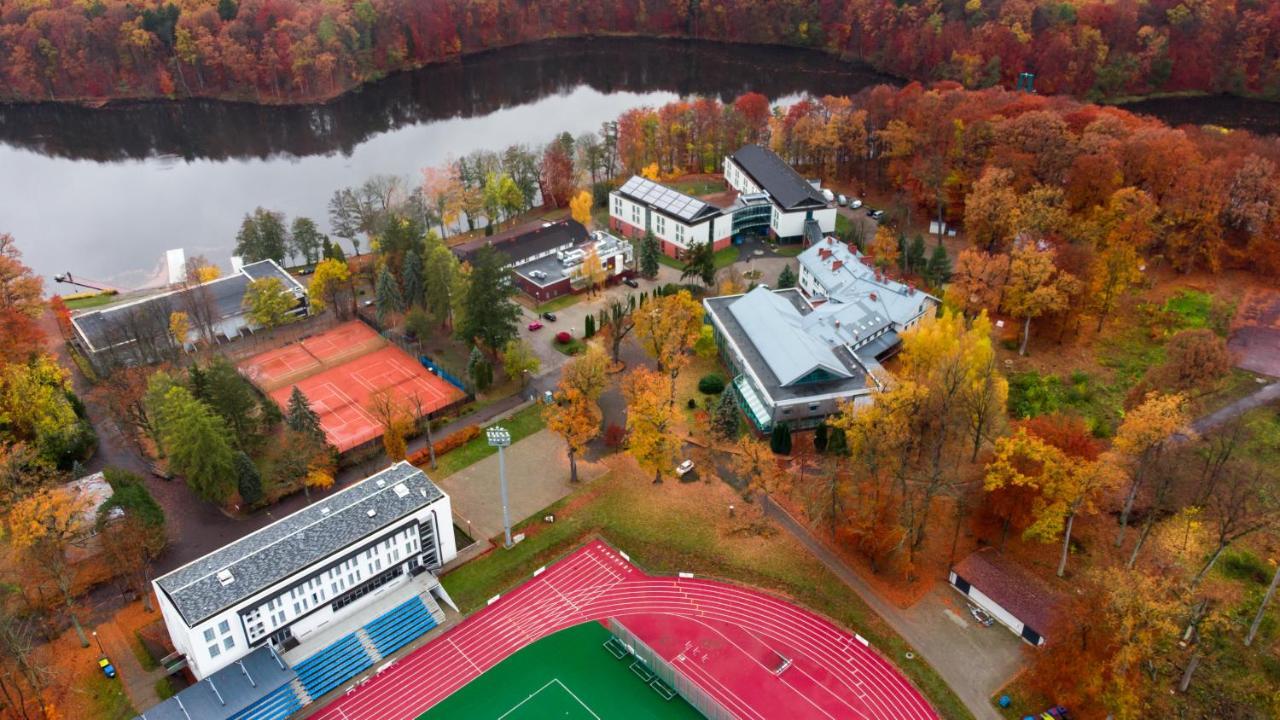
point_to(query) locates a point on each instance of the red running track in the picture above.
(726, 639)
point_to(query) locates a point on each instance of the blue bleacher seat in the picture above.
(332, 666)
(278, 705)
(400, 625)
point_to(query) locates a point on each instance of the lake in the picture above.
(103, 193)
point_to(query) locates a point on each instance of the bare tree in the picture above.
(1242, 503)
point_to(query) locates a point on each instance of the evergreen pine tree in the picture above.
(837, 443)
(780, 439)
(724, 422)
(198, 383)
(938, 271)
(786, 278)
(649, 256)
(479, 370)
(589, 326)
(903, 253)
(326, 248)
(820, 437)
(338, 253)
(411, 275)
(916, 255)
(301, 418)
(248, 481)
(489, 315)
(386, 295)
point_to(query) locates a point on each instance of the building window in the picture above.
(813, 407)
(228, 642)
(617, 206)
(660, 224)
(635, 215)
(208, 635)
(214, 651)
(679, 233)
(224, 627)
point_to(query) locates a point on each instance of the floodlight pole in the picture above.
(500, 438)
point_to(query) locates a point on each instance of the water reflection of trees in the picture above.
(477, 85)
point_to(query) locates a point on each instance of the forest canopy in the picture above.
(299, 50)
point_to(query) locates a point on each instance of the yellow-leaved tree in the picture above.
(1140, 443)
(43, 526)
(884, 248)
(580, 208)
(651, 171)
(592, 272)
(1036, 287)
(651, 421)
(179, 327)
(330, 286)
(667, 328)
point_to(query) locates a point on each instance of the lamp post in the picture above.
(99, 641)
(500, 438)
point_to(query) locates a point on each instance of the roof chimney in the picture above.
(873, 297)
(837, 323)
(831, 240)
(837, 265)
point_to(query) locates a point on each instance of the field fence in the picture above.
(687, 689)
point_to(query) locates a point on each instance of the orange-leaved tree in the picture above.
(575, 417)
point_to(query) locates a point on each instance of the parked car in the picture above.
(535, 325)
(875, 214)
(842, 200)
(855, 203)
(981, 616)
(548, 397)
(107, 668)
(630, 283)
(684, 468)
(549, 316)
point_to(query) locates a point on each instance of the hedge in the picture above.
(442, 446)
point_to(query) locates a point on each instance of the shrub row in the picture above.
(444, 445)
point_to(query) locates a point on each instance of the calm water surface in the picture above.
(103, 193)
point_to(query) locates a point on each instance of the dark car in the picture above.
(549, 317)
(875, 214)
(630, 283)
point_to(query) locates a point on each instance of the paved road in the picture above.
(1262, 396)
(975, 661)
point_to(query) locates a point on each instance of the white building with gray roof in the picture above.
(798, 353)
(303, 584)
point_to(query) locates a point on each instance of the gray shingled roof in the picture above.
(297, 541)
(110, 326)
(779, 179)
(228, 691)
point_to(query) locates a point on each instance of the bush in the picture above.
(614, 436)
(780, 439)
(444, 445)
(711, 384)
(563, 337)
(693, 404)
(1244, 565)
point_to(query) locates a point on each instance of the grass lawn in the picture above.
(147, 662)
(523, 424)
(790, 250)
(107, 697)
(723, 258)
(726, 257)
(699, 186)
(559, 303)
(677, 527)
(844, 225)
(92, 301)
(571, 348)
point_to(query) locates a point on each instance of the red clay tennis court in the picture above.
(340, 370)
(749, 654)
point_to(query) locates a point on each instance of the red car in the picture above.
(535, 325)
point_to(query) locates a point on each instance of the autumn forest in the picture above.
(281, 51)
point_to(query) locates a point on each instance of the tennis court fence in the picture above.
(687, 689)
(453, 376)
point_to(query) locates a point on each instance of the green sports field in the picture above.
(567, 675)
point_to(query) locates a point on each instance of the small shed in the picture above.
(1010, 593)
